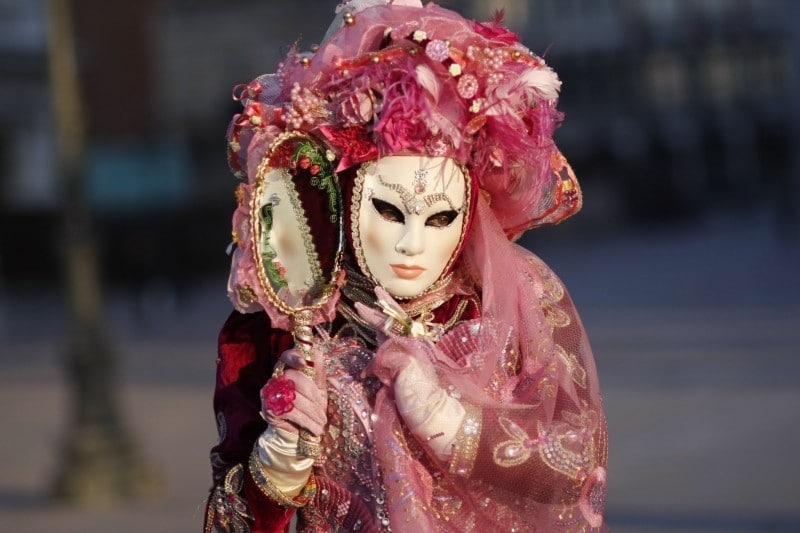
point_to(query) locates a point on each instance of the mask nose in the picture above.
(413, 240)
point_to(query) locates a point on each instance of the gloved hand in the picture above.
(432, 415)
(404, 363)
(290, 403)
(294, 401)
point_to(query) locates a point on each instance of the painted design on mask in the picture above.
(420, 181)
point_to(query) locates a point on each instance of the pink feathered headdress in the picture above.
(394, 77)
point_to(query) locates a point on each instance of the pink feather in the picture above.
(429, 81)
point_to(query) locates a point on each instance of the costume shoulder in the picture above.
(244, 327)
(248, 340)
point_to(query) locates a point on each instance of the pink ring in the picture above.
(278, 395)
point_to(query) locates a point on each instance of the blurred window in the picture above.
(667, 79)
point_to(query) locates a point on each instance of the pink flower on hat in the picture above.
(401, 130)
(401, 127)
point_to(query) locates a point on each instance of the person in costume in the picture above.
(451, 386)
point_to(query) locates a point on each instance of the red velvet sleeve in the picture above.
(248, 350)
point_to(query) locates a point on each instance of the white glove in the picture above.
(277, 450)
(432, 415)
(277, 446)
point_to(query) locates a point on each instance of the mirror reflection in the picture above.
(296, 218)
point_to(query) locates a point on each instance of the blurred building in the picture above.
(673, 106)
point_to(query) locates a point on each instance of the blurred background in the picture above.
(682, 122)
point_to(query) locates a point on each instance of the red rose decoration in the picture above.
(278, 395)
(353, 143)
(281, 156)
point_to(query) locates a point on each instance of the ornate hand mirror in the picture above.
(296, 228)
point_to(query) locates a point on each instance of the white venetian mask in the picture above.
(411, 218)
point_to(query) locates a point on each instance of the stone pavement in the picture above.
(696, 332)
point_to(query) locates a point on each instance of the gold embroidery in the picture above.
(240, 193)
(210, 513)
(553, 289)
(507, 366)
(247, 295)
(573, 366)
(272, 492)
(545, 382)
(465, 449)
(552, 293)
(570, 517)
(227, 510)
(556, 317)
(515, 451)
(462, 306)
(568, 447)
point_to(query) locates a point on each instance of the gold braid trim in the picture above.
(272, 492)
(462, 305)
(465, 448)
(210, 514)
(226, 509)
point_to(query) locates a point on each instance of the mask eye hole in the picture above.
(442, 219)
(388, 211)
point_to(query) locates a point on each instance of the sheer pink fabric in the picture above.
(526, 366)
